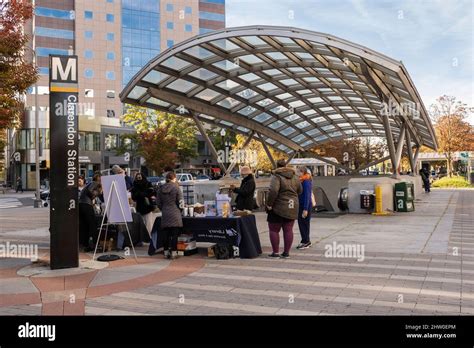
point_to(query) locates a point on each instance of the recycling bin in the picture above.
(404, 197)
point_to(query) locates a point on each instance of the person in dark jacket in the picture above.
(305, 206)
(19, 185)
(87, 220)
(246, 191)
(282, 207)
(144, 196)
(425, 176)
(170, 202)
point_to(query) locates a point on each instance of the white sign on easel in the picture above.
(117, 208)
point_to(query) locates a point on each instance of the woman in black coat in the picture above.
(143, 194)
(245, 192)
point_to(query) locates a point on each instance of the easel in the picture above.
(107, 209)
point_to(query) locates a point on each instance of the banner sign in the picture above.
(64, 159)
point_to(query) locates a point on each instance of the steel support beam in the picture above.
(401, 141)
(267, 151)
(410, 153)
(245, 144)
(208, 140)
(373, 163)
(390, 144)
(293, 155)
(415, 158)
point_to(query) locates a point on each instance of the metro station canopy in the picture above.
(293, 88)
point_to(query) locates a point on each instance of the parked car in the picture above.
(235, 176)
(156, 180)
(202, 177)
(183, 177)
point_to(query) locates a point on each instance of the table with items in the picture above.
(237, 231)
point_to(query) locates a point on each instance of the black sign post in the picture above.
(64, 159)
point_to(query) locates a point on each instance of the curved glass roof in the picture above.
(293, 87)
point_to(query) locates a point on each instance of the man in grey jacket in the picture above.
(282, 207)
(170, 202)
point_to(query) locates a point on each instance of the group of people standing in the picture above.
(290, 198)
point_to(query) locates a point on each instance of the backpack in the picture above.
(223, 251)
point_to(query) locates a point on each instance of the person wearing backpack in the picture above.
(305, 205)
(282, 207)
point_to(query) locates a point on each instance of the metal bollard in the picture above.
(378, 202)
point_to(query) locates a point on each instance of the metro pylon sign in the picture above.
(64, 154)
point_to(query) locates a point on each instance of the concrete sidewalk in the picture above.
(413, 263)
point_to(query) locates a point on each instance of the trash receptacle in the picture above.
(367, 199)
(404, 197)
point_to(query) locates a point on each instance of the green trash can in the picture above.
(404, 197)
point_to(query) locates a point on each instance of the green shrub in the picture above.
(455, 181)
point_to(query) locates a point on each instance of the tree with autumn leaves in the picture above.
(453, 131)
(16, 73)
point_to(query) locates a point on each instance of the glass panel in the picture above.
(335, 98)
(328, 127)
(304, 91)
(158, 102)
(137, 92)
(272, 72)
(250, 59)
(249, 77)
(276, 55)
(265, 102)
(311, 79)
(207, 94)
(155, 77)
(309, 112)
(285, 40)
(284, 96)
(304, 55)
(226, 123)
(203, 74)
(267, 86)
(297, 103)
(247, 110)
(226, 65)
(224, 44)
(292, 117)
(315, 100)
(313, 132)
(299, 138)
(228, 103)
(262, 117)
(270, 141)
(303, 124)
(296, 70)
(276, 124)
(247, 93)
(254, 40)
(243, 129)
(321, 138)
(175, 63)
(287, 131)
(181, 85)
(199, 52)
(279, 109)
(227, 84)
(288, 82)
(306, 143)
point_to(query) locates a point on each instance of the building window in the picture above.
(170, 43)
(54, 33)
(110, 94)
(88, 34)
(89, 93)
(109, 17)
(54, 13)
(211, 16)
(89, 141)
(88, 15)
(188, 28)
(46, 51)
(110, 55)
(169, 7)
(169, 25)
(188, 10)
(110, 75)
(110, 36)
(89, 73)
(110, 1)
(88, 54)
(43, 70)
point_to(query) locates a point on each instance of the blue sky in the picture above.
(433, 38)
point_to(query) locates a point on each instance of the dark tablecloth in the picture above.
(239, 231)
(137, 230)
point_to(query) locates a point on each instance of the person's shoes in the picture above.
(274, 255)
(285, 256)
(300, 246)
(174, 255)
(167, 254)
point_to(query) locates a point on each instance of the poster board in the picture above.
(114, 213)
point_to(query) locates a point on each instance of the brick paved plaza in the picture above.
(415, 263)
